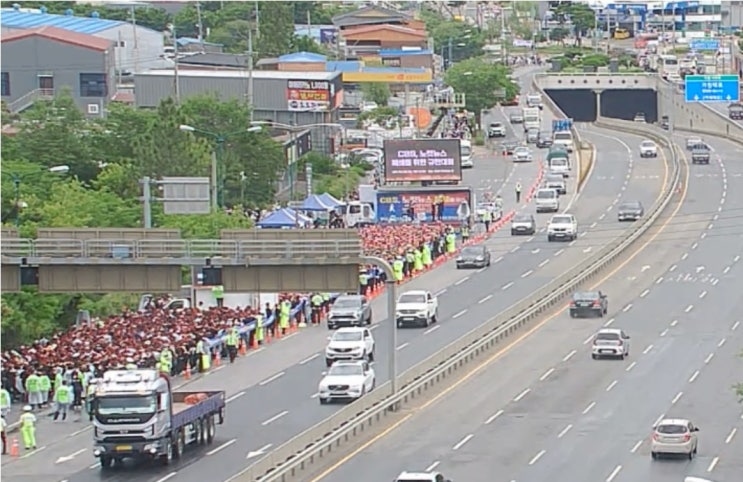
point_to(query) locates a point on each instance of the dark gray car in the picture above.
(544, 140)
(592, 303)
(532, 136)
(349, 310)
(473, 257)
(523, 224)
(630, 211)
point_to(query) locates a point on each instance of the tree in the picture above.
(377, 92)
(302, 43)
(233, 35)
(276, 29)
(479, 80)
(581, 16)
(559, 34)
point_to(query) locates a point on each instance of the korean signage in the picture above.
(309, 95)
(422, 160)
(447, 205)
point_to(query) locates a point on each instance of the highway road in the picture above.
(264, 414)
(544, 410)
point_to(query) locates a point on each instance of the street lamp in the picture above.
(216, 180)
(18, 178)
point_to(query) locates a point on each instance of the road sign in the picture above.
(704, 44)
(560, 125)
(712, 88)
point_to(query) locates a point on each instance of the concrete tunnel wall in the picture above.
(582, 104)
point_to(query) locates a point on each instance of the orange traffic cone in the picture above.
(253, 344)
(267, 339)
(187, 374)
(278, 332)
(14, 449)
(217, 359)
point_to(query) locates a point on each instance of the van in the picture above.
(556, 182)
(559, 165)
(465, 152)
(563, 138)
(547, 200)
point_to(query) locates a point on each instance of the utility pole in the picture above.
(176, 79)
(146, 202)
(136, 45)
(201, 27)
(250, 73)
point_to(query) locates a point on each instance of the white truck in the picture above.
(532, 118)
(354, 343)
(416, 308)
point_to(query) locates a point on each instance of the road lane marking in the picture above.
(659, 280)
(527, 273)
(713, 464)
(657, 420)
(612, 385)
(603, 215)
(594, 224)
(693, 376)
(630, 366)
(636, 447)
(536, 458)
(439, 293)
(647, 350)
(403, 346)
(484, 299)
(493, 417)
(96, 465)
(461, 281)
(315, 395)
(609, 322)
(736, 259)
(722, 342)
(271, 379)
(565, 430)
(432, 329)
(588, 340)
(515, 249)
(559, 252)
(731, 435)
(543, 263)
(309, 359)
(726, 270)
(459, 314)
(735, 325)
(672, 268)
(689, 308)
(33, 452)
(664, 332)
(167, 477)
(431, 467)
(709, 358)
(522, 395)
(78, 432)
(684, 256)
(676, 398)
(498, 260)
(235, 397)
(589, 407)
(67, 458)
(569, 355)
(222, 447)
(674, 323)
(715, 281)
(274, 418)
(546, 374)
(695, 245)
(627, 308)
(614, 473)
(535, 251)
(461, 443)
(571, 243)
(587, 250)
(644, 293)
(507, 285)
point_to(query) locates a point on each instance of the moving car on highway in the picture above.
(421, 477)
(349, 310)
(522, 154)
(630, 211)
(563, 227)
(523, 224)
(735, 111)
(532, 136)
(556, 181)
(416, 308)
(496, 129)
(674, 436)
(563, 138)
(509, 146)
(544, 140)
(590, 303)
(547, 200)
(700, 154)
(516, 118)
(350, 344)
(693, 141)
(473, 257)
(648, 148)
(610, 342)
(559, 164)
(347, 381)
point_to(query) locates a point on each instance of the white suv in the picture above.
(350, 344)
(648, 149)
(562, 226)
(610, 342)
(346, 380)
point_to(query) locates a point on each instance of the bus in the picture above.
(465, 153)
(668, 66)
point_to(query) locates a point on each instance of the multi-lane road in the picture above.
(544, 410)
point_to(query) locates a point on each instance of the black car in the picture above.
(592, 303)
(523, 224)
(735, 111)
(630, 211)
(473, 257)
(544, 140)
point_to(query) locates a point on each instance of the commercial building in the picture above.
(135, 48)
(693, 19)
(38, 63)
(373, 38)
(731, 12)
(375, 15)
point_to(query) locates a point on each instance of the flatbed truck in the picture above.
(137, 415)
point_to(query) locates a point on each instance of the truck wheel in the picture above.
(210, 430)
(180, 444)
(167, 457)
(200, 439)
(435, 317)
(106, 462)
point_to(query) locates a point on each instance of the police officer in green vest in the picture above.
(285, 309)
(363, 281)
(5, 401)
(204, 356)
(451, 242)
(326, 300)
(57, 379)
(397, 268)
(427, 258)
(45, 383)
(418, 262)
(316, 302)
(63, 399)
(218, 294)
(465, 233)
(232, 340)
(33, 389)
(166, 361)
(409, 262)
(487, 218)
(259, 329)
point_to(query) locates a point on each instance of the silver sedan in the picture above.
(522, 154)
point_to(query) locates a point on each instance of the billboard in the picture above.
(422, 160)
(425, 76)
(309, 95)
(404, 206)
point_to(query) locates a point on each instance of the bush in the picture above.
(479, 139)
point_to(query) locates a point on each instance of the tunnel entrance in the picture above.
(626, 103)
(577, 104)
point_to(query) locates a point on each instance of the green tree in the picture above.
(581, 16)
(302, 43)
(377, 92)
(233, 35)
(479, 80)
(26, 316)
(276, 29)
(559, 34)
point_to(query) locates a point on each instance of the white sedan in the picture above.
(648, 149)
(522, 154)
(347, 381)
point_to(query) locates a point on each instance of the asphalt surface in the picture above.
(545, 410)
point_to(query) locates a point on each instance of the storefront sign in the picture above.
(309, 95)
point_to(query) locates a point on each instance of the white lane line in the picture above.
(309, 359)
(271, 379)
(432, 329)
(731, 435)
(713, 464)
(67, 458)
(726, 270)
(546, 374)
(695, 245)
(522, 395)
(709, 358)
(78, 432)
(559, 252)
(659, 280)
(693, 376)
(461, 313)
(432, 466)
(684, 256)
(461, 281)
(630, 366)
(603, 215)
(736, 259)
(677, 398)
(221, 447)
(167, 477)
(612, 385)
(403, 346)
(735, 325)
(664, 332)
(715, 281)
(536, 458)
(647, 350)
(609, 322)
(722, 342)
(507, 285)
(627, 308)
(644, 293)
(96, 465)
(439, 293)
(527, 273)
(614, 473)
(484, 299)
(315, 395)
(672, 268)
(565, 430)
(498, 259)
(588, 340)
(515, 249)
(535, 251)
(589, 407)
(543, 263)
(636, 447)
(234, 397)
(594, 224)
(689, 308)
(571, 243)
(657, 420)
(587, 250)
(493, 417)
(481, 270)
(461, 443)
(674, 323)
(569, 355)
(275, 417)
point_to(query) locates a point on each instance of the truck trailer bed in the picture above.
(184, 414)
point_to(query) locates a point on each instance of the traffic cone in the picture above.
(217, 359)
(268, 337)
(302, 320)
(253, 344)
(243, 350)
(14, 449)
(187, 373)
(278, 331)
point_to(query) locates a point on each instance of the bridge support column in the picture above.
(598, 103)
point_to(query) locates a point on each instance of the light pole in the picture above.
(216, 179)
(292, 130)
(18, 179)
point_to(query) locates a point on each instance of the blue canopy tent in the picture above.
(330, 200)
(316, 203)
(283, 218)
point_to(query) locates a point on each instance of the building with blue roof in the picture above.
(135, 48)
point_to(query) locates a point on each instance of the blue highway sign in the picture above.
(712, 88)
(560, 125)
(705, 44)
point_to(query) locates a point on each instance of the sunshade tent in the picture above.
(284, 218)
(330, 200)
(316, 203)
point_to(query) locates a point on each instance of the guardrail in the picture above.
(296, 455)
(151, 249)
(598, 74)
